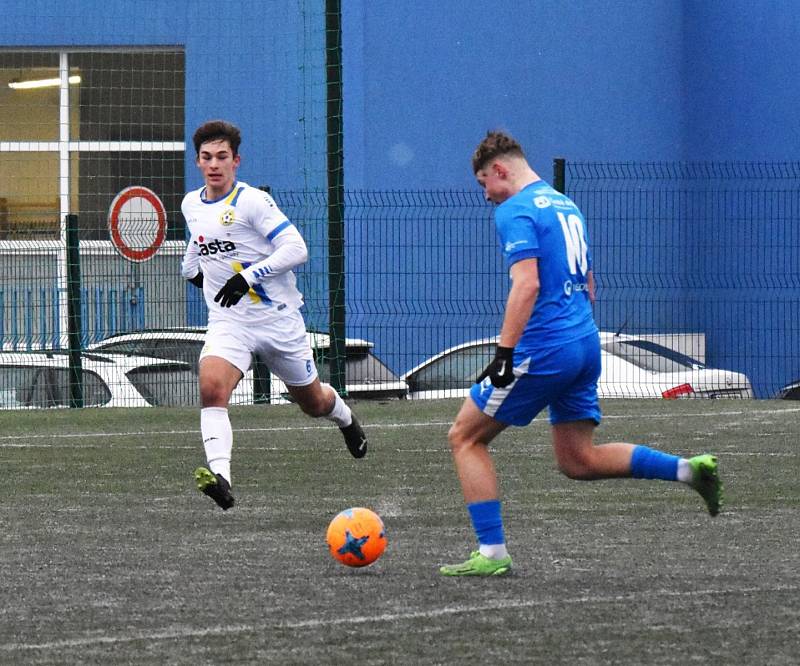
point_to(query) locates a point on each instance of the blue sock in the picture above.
(487, 522)
(647, 463)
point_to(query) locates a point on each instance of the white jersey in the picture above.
(243, 232)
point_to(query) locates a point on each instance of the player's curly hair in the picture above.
(495, 144)
(218, 130)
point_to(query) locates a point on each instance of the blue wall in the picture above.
(743, 97)
(587, 80)
(742, 88)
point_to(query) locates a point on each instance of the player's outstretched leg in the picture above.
(355, 438)
(706, 481)
(478, 565)
(215, 486)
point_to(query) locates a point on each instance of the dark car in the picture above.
(367, 376)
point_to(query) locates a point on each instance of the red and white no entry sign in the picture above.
(137, 223)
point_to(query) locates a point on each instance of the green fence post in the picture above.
(262, 378)
(559, 174)
(262, 382)
(74, 312)
(336, 259)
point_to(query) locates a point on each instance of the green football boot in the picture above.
(705, 480)
(478, 565)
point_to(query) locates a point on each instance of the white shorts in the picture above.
(282, 346)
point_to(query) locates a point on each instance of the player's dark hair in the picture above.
(218, 130)
(495, 144)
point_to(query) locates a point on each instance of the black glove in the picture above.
(501, 369)
(232, 292)
(197, 280)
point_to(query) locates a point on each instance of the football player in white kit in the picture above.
(241, 253)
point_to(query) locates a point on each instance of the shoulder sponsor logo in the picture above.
(541, 201)
(510, 246)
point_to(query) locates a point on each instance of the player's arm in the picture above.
(519, 307)
(521, 299)
(290, 252)
(190, 265)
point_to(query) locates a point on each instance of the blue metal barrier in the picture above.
(30, 323)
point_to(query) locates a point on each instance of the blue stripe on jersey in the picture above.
(261, 273)
(278, 229)
(257, 289)
(212, 201)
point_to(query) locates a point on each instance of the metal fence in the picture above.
(700, 260)
(708, 248)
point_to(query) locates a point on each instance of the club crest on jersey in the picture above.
(214, 246)
(226, 218)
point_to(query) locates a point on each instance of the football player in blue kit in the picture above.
(548, 355)
(241, 253)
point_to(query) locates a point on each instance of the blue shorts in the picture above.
(561, 378)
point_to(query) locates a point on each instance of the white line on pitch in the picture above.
(541, 420)
(147, 433)
(498, 605)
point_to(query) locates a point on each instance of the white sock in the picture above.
(215, 427)
(684, 471)
(340, 414)
(494, 551)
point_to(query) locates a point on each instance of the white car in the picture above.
(632, 368)
(367, 376)
(790, 391)
(30, 380)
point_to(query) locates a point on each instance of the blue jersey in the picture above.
(540, 222)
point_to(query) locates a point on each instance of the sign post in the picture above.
(137, 223)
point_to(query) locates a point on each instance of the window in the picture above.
(456, 370)
(361, 367)
(77, 127)
(186, 351)
(36, 385)
(167, 385)
(652, 356)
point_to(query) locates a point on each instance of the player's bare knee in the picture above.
(213, 394)
(458, 439)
